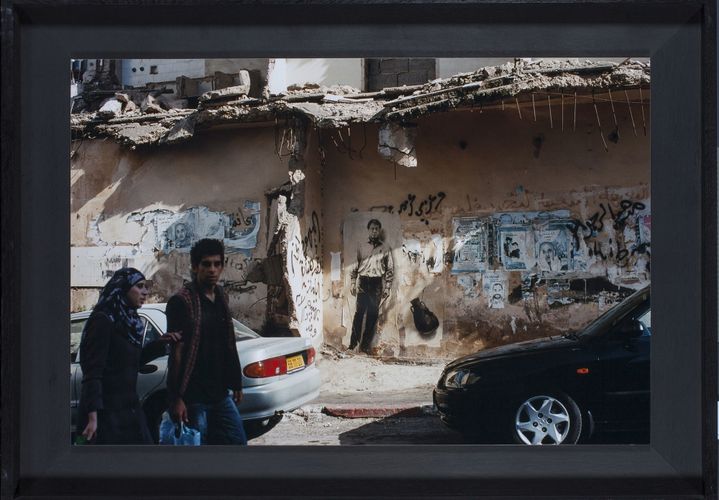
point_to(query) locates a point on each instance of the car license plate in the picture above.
(295, 362)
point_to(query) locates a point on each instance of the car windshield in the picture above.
(242, 332)
(617, 313)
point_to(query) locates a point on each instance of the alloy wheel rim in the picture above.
(542, 420)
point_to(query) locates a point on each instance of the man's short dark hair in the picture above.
(206, 247)
(374, 221)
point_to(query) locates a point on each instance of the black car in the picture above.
(557, 390)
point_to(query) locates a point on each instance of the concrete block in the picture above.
(394, 65)
(378, 82)
(427, 65)
(413, 78)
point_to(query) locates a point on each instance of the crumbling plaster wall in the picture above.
(126, 206)
(491, 166)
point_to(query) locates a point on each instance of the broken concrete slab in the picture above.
(150, 106)
(167, 102)
(110, 108)
(233, 92)
(130, 107)
(181, 131)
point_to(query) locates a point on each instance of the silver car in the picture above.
(278, 374)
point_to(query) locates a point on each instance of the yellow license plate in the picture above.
(295, 362)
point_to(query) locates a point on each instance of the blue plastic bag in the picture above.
(177, 435)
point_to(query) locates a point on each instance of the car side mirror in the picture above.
(147, 369)
(630, 329)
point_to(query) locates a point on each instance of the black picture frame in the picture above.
(38, 39)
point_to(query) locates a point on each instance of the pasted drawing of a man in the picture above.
(183, 235)
(371, 281)
(548, 259)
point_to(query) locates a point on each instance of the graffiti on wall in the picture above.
(93, 266)
(304, 274)
(177, 231)
(413, 206)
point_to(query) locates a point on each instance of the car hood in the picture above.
(518, 349)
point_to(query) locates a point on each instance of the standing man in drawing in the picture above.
(204, 379)
(371, 281)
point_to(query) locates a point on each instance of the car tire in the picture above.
(258, 427)
(542, 418)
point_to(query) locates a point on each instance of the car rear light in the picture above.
(311, 355)
(266, 368)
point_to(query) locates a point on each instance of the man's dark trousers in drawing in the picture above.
(369, 296)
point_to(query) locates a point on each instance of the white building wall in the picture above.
(136, 72)
(277, 76)
(325, 72)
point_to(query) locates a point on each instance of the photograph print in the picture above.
(263, 249)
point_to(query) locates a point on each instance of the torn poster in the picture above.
(494, 285)
(515, 249)
(470, 244)
(177, 231)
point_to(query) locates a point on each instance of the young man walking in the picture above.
(205, 366)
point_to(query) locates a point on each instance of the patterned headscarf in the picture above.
(113, 302)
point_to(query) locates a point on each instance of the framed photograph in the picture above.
(479, 175)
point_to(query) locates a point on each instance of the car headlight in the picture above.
(460, 378)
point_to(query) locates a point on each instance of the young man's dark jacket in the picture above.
(200, 370)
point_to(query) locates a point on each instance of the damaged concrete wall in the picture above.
(145, 207)
(295, 302)
(509, 228)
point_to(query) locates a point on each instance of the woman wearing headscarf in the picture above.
(110, 357)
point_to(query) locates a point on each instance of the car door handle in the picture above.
(146, 369)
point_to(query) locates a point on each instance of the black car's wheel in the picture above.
(551, 418)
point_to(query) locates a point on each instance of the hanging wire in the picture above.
(601, 134)
(562, 108)
(364, 141)
(280, 142)
(518, 110)
(549, 104)
(629, 105)
(534, 108)
(574, 127)
(644, 121)
(349, 143)
(614, 114)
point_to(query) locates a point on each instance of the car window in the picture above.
(242, 332)
(151, 332)
(646, 320)
(75, 337)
